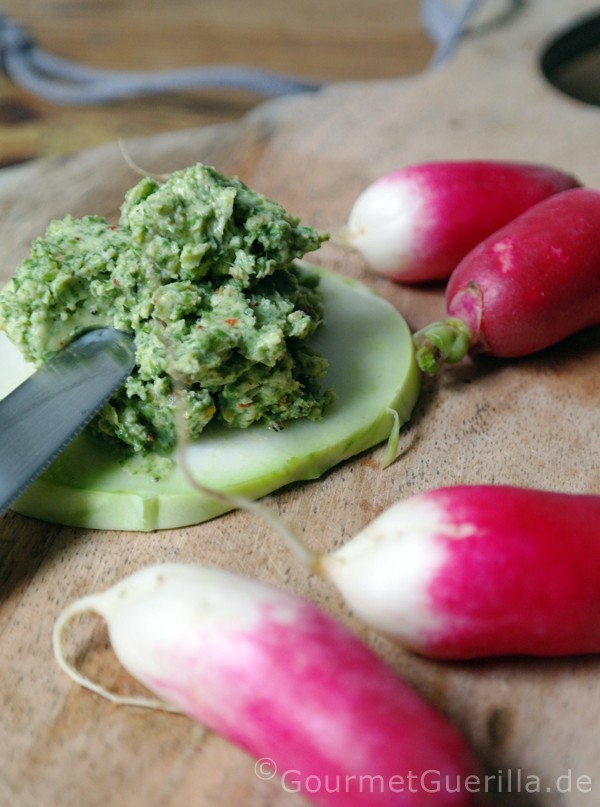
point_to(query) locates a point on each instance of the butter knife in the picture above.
(41, 416)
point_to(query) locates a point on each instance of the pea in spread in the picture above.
(202, 270)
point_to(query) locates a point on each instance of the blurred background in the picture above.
(320, 40)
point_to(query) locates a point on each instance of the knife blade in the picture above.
(41, 416)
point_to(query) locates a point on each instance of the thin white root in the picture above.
(136, 168)
(88, 605)
(308, 558)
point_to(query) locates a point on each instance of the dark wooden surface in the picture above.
(337, 40)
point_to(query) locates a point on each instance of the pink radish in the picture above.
(286, 682)
(415, 224)
(527, 286)
(468, 571)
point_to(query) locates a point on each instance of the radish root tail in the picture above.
(89, 605)
(136, 168)
(308, 558)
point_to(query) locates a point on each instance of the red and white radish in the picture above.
(284, 681)
(416, 223)
(527, 286)
(473, 571)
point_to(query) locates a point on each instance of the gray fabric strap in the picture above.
(447, 21)
(445, 25)
(66, 82)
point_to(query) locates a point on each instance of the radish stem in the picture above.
(439, 343)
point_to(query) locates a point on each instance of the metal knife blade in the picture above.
(41, 416)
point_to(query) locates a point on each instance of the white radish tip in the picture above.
(382, 225)
(384, 572)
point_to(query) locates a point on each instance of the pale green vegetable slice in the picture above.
(371, 368)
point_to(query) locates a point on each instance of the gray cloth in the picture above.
(63, 81)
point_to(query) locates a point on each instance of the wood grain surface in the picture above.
(532, 422)
(339, 40)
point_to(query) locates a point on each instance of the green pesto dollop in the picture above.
(202, 270)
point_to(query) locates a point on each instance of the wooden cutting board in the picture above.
(533, 422)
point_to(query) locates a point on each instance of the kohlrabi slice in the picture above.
(371, 368)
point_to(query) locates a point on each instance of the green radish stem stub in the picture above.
(445, 342)
(372, 369)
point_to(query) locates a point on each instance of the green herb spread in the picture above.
(202, 270)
